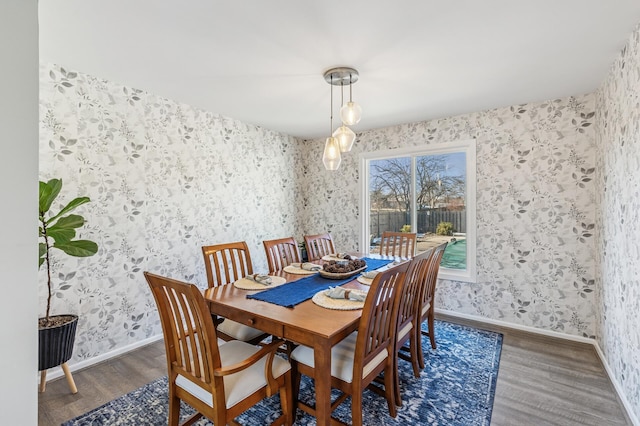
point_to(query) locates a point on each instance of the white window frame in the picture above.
(466, 146)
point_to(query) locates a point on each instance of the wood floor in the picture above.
(541, 381)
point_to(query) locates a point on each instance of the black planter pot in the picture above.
(55, 344)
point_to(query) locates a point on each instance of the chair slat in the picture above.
(281, 252)
(400, 244)
(318, 246)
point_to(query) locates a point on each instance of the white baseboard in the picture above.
(57, 372)
(616, 384)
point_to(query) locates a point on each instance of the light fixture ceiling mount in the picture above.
(341, 76)
(341, 140)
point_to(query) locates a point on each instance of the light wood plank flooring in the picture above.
(541, 381)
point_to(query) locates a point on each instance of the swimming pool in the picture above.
(455, 255)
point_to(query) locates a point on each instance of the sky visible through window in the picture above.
(455, 165)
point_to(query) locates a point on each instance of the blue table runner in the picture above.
(295, 292)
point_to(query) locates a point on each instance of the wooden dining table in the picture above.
(306, 323)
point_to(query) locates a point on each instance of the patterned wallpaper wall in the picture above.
(164, 179)
(618, 217)
(535, 209)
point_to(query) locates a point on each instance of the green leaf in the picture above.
(78, 248)
(71, 206)
(68, 222)
(61, 235)
(48, 192)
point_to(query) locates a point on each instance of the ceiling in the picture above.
(262, 61)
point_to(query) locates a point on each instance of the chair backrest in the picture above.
(429, 287)
(401, 244)
(414, 282)
(376, 330)
(226, 263)
(319, 245)
(281, 252)
(189, 335)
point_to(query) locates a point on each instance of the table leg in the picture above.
(322, 367)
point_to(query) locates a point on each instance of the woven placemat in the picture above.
(298, 271)
(363, 280)
(246, 284)
(321, 299)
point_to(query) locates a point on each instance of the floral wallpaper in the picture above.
(618, 218)
(164, 179)
(535, 209)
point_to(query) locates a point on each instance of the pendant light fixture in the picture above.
(351, 112)
(331, 157)
(343, 137)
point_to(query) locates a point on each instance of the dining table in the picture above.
(305, 323)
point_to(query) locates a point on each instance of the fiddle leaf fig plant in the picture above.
(58, 231)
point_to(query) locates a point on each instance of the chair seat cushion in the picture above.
(425, 308)
(404, 331)
(239, 385)
(341, 358)
(239, 331)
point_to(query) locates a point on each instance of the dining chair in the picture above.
(427, 301)
(281, 252)
(408, 317)
(226, 263)
(219, 380)
(318, 246)
(358, 359)
(402, 244)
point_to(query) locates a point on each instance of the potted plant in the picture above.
(56, 333)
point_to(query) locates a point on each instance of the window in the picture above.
(429, 190)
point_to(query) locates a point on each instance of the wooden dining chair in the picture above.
(226, 263)
(318, 246)
(427, 300)
(402, 244)
(408, 317)
(220, 381)
(281, 252)
(358, 359)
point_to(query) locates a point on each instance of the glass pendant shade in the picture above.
(331, 157)
(345, 137)
(350, 113)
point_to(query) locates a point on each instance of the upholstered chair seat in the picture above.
(241, 385)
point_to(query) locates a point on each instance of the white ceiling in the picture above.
(262, 61)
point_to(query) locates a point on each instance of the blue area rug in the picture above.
(456, 388)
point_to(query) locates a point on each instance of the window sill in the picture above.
(455, 275)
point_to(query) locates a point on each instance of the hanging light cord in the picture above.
(350, 92)
(342, 91)
(331, 114)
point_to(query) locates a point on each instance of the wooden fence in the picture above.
(428, 220)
